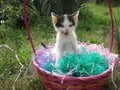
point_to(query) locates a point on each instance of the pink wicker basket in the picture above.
(72, 83)
(95, 82)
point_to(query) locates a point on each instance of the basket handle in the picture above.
(30, 38)
(27, 27)
(112, 25)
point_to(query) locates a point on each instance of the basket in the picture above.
(95, 82)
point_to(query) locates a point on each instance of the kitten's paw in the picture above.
(77, 48)
(57, 54)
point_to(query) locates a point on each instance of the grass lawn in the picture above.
(94, 27)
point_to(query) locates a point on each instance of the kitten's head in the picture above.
(65, 24)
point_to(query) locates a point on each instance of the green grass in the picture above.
(93, 26)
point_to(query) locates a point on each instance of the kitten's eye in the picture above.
(70, 25)
(59, 25)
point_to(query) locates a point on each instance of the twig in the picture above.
(22, 66)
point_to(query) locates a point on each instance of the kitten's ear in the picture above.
(75, 16)
(54, 17)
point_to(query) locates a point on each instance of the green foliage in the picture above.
(86, 18)
(67, 6)
(7, 35)
(43, 7)
(39, 9)
(35, 84)
(7, 68)
(117, 37)
(117, 27)
(11, 13)
(3, 14)
(115, 3)
(93, 40)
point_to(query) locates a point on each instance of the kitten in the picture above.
(66, 39)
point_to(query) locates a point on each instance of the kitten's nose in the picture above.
(66, 30)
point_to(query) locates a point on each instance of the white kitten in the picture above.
(66, 39)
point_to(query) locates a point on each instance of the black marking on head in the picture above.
(70, 18)
(60, 21)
